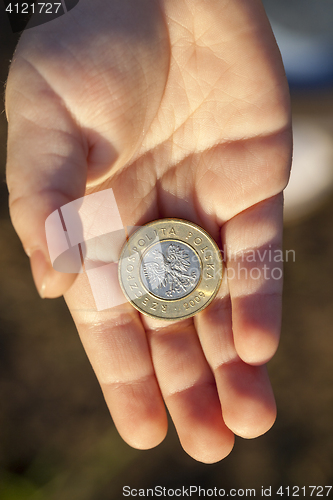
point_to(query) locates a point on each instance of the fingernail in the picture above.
(40, 268)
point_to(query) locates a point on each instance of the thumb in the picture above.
(46, 168)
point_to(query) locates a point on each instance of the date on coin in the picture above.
(170, 269)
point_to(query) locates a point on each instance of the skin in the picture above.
(182, 107)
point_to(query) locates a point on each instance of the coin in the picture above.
(170, 269)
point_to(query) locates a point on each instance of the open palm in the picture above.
(181, 107)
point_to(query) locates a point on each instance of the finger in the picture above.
(214, 329)
(46, 168)
(116, 345)
(247, 399)
(189, 391)
(248, 405)
(253, 242)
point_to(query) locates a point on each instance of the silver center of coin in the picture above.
(170, 269)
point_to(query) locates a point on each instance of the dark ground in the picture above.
(57, 440)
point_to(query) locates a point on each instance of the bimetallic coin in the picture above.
(170, 269)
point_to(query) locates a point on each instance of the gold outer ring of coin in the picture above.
(162, 286)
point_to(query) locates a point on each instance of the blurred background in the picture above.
(57, 440)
